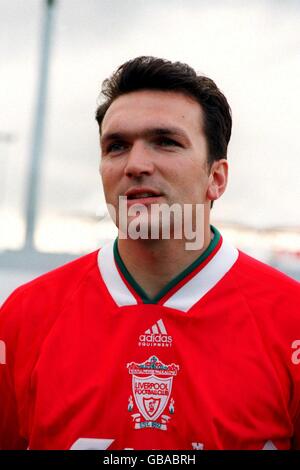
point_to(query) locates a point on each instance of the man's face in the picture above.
(153, 144)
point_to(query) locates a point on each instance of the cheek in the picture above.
(108, 182)
(195, 178)
(196, 185)
(108, 174)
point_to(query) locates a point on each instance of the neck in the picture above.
(154, 263)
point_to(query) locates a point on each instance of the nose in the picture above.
(139, 161)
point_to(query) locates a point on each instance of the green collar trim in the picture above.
(140, 291)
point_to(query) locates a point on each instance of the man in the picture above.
(149, 342)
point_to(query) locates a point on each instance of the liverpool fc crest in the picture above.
(151, 386)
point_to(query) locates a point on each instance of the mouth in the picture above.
(142, 196)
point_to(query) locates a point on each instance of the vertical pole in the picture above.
(38, 128)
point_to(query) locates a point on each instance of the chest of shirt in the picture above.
(153, 377)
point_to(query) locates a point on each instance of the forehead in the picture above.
(133, 111)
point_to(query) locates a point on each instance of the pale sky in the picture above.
(251, 49)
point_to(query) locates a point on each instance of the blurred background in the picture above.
(54, 55)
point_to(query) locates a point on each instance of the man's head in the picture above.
(151, 73)
(164, 131)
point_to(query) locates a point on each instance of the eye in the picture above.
(167, 142)
(115, 147)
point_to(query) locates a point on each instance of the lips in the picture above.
(142, 193)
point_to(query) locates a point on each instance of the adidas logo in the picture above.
(156, 336)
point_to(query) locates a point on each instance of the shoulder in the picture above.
(272, 297)
(254, 275)
(34, 306)
(62, 279)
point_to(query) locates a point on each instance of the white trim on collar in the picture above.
(111, 277)
(205, 280)
(186, 296)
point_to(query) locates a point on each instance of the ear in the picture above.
(217, 179)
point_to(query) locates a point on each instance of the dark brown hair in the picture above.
(152, 73)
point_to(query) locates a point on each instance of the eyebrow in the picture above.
(148, 132)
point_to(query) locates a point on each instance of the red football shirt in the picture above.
(213, 362)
